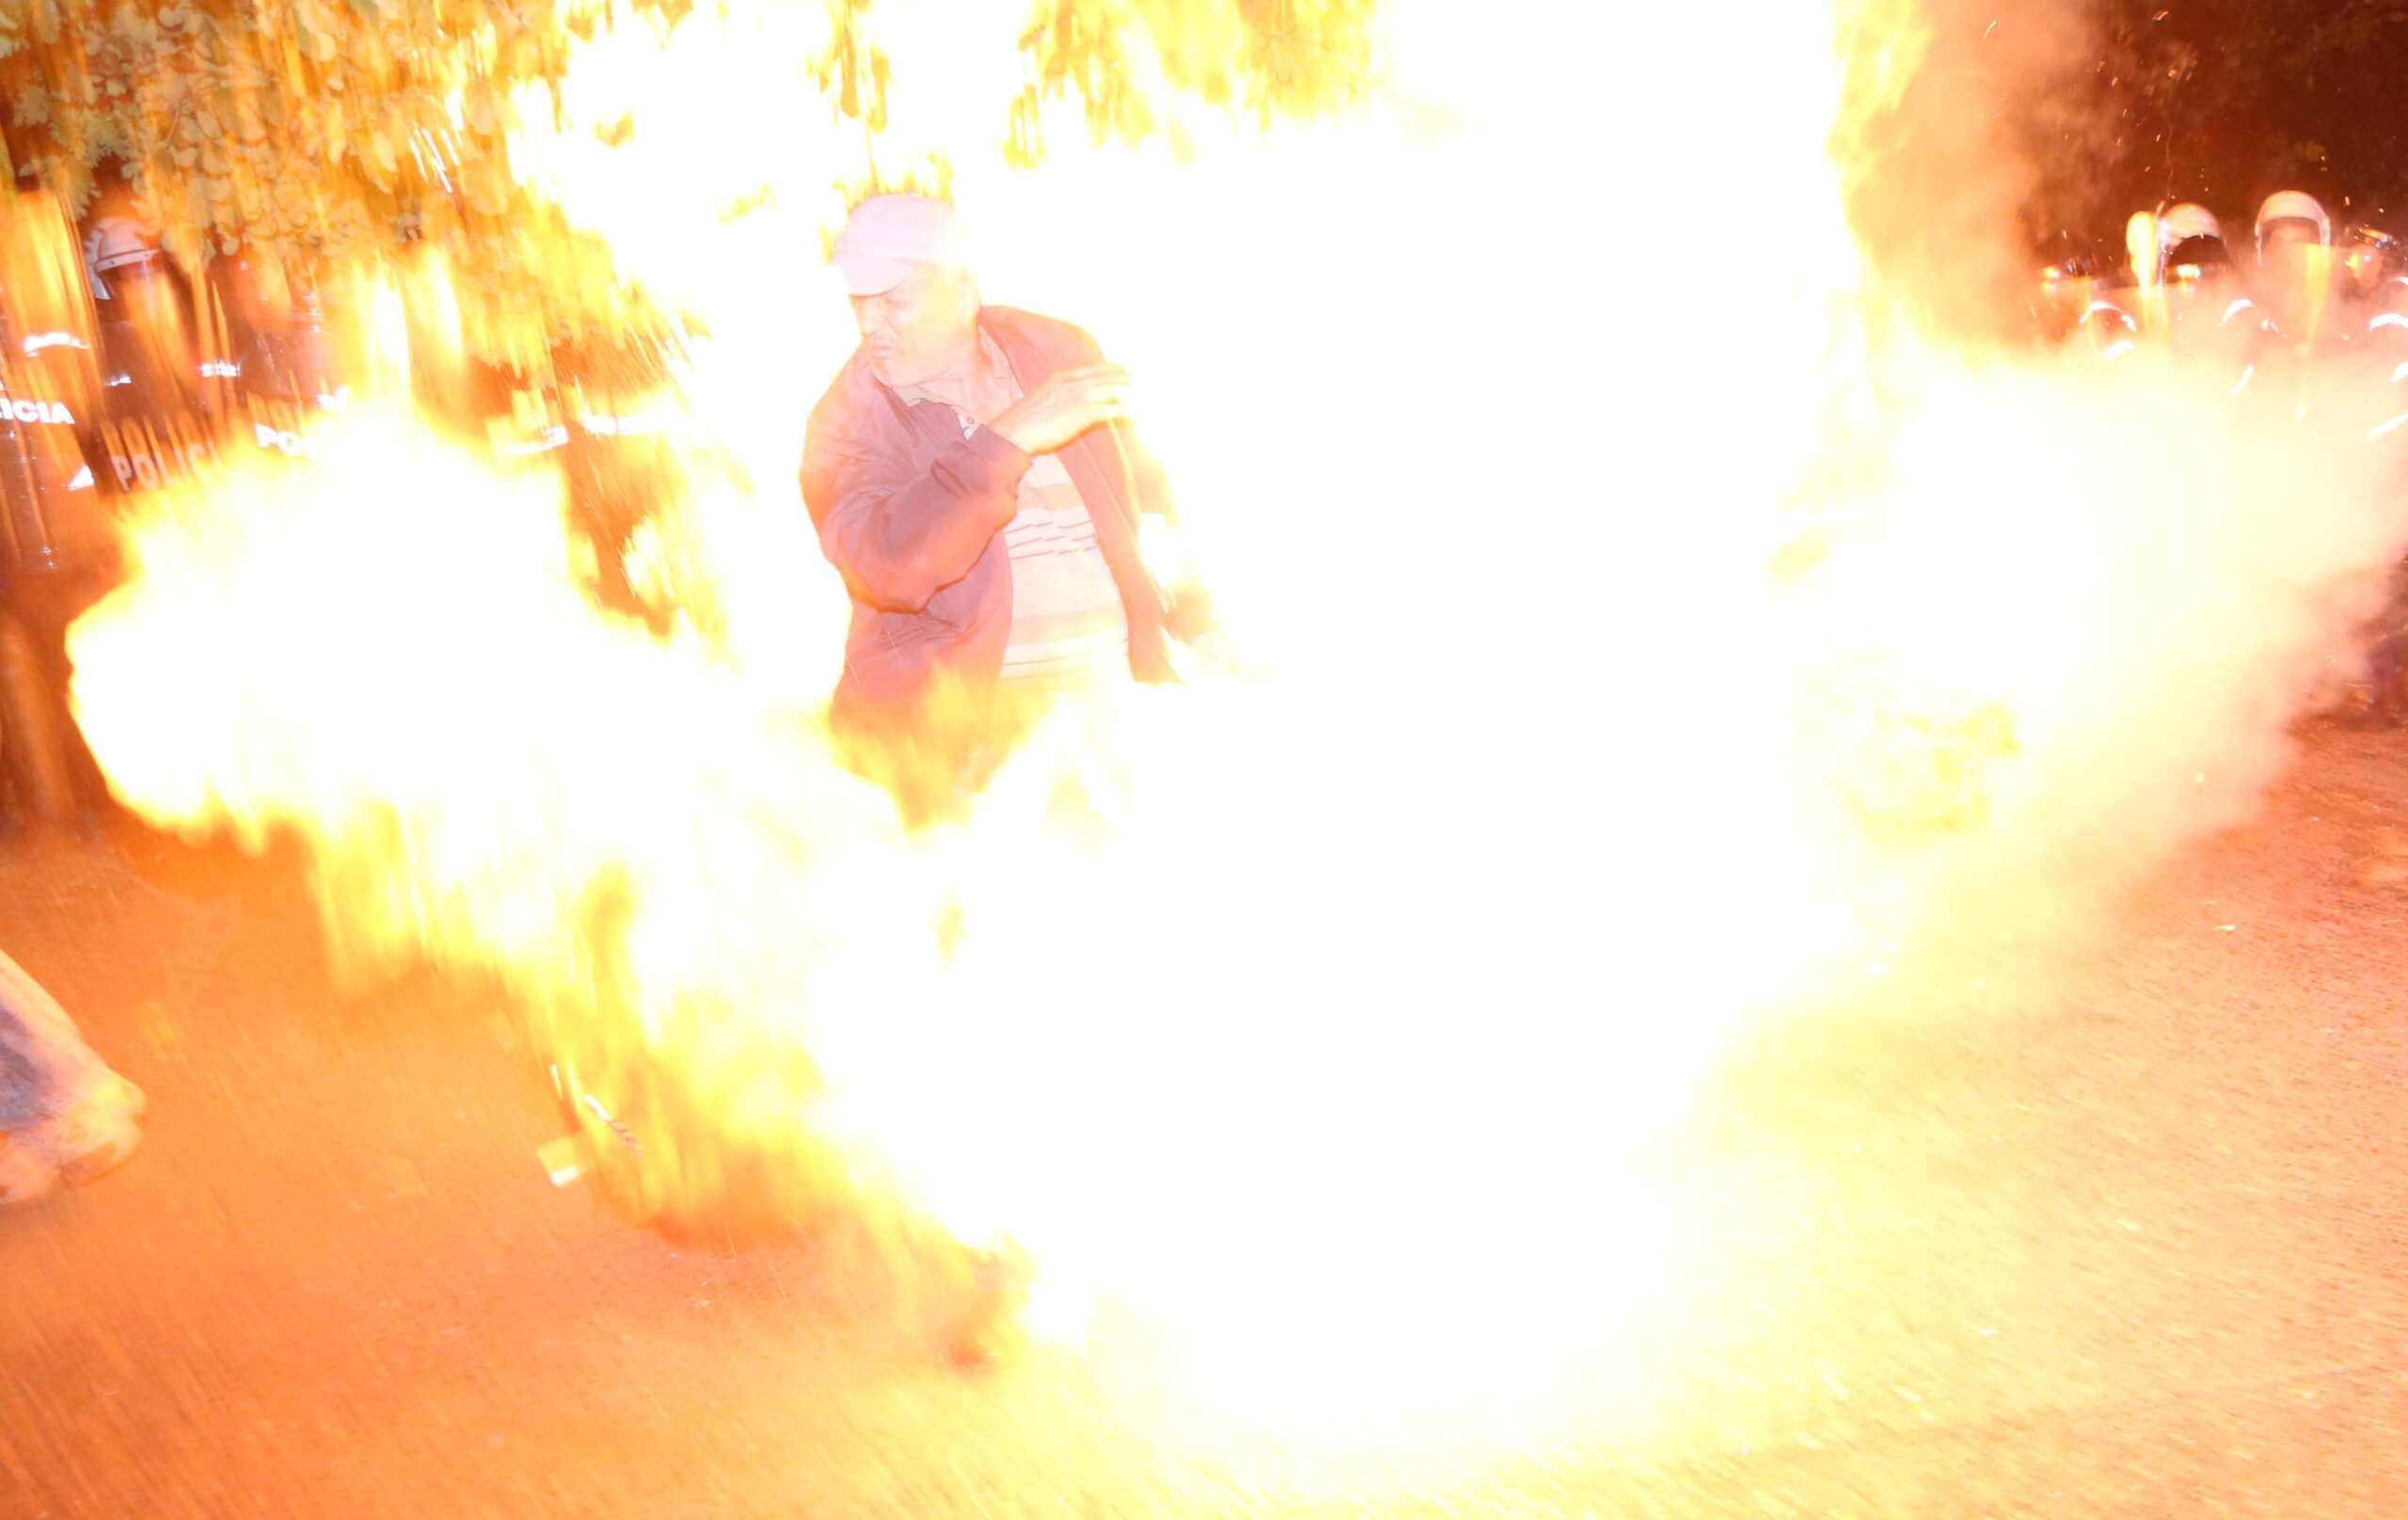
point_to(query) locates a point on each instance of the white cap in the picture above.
(889, 236)
(115, 241)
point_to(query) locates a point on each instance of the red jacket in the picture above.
(912, 515)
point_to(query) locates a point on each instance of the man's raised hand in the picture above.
(1067, 403)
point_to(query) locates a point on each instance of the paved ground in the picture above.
(2127, 1241)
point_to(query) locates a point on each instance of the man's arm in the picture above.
(899, 536)
(1188, 614)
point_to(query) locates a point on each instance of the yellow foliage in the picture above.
(305, 132)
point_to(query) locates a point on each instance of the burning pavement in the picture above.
(2115, 1242)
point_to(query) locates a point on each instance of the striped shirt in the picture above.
(1068, 628)
(1068, 624)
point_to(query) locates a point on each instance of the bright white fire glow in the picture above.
(1298, 1010)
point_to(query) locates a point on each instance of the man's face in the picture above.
(2365, 267)
(2280, 244)
(919, 327)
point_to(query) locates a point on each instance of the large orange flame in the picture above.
(1290, 1007)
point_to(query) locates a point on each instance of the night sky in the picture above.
(2222, 101)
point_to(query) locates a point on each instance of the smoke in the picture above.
(2150, 570)
(1949, 160)
(2147, 583)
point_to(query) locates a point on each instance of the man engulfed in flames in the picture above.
(974, 477)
